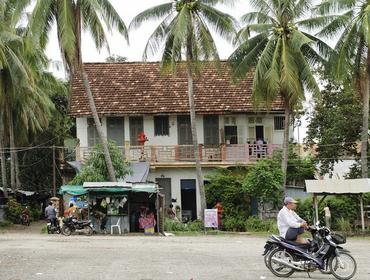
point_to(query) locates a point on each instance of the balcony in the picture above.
(184, 154)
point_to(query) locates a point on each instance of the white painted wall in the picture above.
(176, 175)
(241, 121)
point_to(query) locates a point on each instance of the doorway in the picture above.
(165, 189)
(231, 134)
(260, 132)
(188, 199)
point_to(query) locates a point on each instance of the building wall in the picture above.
(176, 175)
(242, 122)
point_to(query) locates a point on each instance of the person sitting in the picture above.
(290, 225)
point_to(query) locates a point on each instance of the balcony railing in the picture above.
(238, 153)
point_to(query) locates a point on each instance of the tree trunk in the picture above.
(76, 65)
(12, 148)
(365, 121)
(284, 162)
(99, 127)
(2, 158)
(195, 143)
(17, 177)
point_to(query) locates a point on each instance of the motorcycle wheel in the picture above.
(345, 271)
(89, 231)
(277, 269)
(66, 231)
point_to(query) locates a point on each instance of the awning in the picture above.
(335, 186)
(77, 165)
(139, 172)
(72, 190)
(93, 185)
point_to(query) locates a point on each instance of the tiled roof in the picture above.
(140, 88)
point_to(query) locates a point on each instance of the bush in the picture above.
(343, 225)
(13, 210)
(173, 226)
(255, 224)
(234, 223)
(5, 223)
(196, 225)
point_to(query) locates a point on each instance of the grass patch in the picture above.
(44, 230)
(5, 224)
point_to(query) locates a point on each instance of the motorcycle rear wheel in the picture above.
(89, 231)
(349, 264)
(66, 231)
(277, 269)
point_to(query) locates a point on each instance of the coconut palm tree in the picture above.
(185, 35)
(280, 56)
(70, 18)
(350, 21)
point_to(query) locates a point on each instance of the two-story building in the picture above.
(136, 97)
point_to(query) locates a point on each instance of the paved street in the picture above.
(27, 256)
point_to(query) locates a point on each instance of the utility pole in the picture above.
(54, 175)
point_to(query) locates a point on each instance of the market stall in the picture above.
(116, 207)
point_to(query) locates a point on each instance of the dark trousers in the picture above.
(53, 222)
(292, 233)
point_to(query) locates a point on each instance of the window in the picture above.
(116, 130)
(92, 133)
(211, 130)
(136, 127)
(161, 126)
(279, 123)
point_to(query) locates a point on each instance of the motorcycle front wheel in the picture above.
(343, 266)
(89, 231)
(66, 231)
(278, 269)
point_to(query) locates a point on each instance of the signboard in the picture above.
(210, 218)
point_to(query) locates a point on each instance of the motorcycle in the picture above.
(53, 227)
(71, 225)
(25, 219)
(283, 257)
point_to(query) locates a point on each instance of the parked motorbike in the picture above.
(53, 227)
(71, 225)
(25, 219)
(283, 257)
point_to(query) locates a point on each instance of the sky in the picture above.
(128, 9)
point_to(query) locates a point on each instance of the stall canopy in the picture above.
(139, 172)
(108, 187)
(338, 187)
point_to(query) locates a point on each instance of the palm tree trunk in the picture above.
(99, 127)
(2, 158)
(365, 121)
(284, 162)
(76, 65)
(195, 143)
(12, 148)
(17, 177)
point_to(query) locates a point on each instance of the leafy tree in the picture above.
(334, 125)
(349, 19)
(186, 36)
(70, 18)
(280, 55)
(96, 170)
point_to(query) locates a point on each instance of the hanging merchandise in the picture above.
(103, 203)
(107, 199)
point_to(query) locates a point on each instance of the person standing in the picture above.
(327, 216)
(220, 211)
(51, 214)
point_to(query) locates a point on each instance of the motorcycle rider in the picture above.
(26, 215)
(51, 214)
(290, 225)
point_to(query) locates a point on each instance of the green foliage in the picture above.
(176, 226)
(344, 225)
(335, 125)
(226, 186)
(5, 223)
(255, 224)
(263, 181)
(235, 223)
(13, 210)
(96, 170)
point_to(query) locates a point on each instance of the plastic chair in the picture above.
(117, 225)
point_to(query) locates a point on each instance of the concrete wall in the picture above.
(176, 175)
(242, 122)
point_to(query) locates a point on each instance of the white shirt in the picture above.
(288, 219)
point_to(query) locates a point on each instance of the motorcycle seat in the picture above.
(303, 246)
(84, 222)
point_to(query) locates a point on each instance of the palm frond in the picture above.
(154, 13)
(65, 19)
(257, 17)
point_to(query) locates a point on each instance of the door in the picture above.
(188, 199)
(259, 132)
(186, 151)
(136, 126)
(231, 134)
(165, 189)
